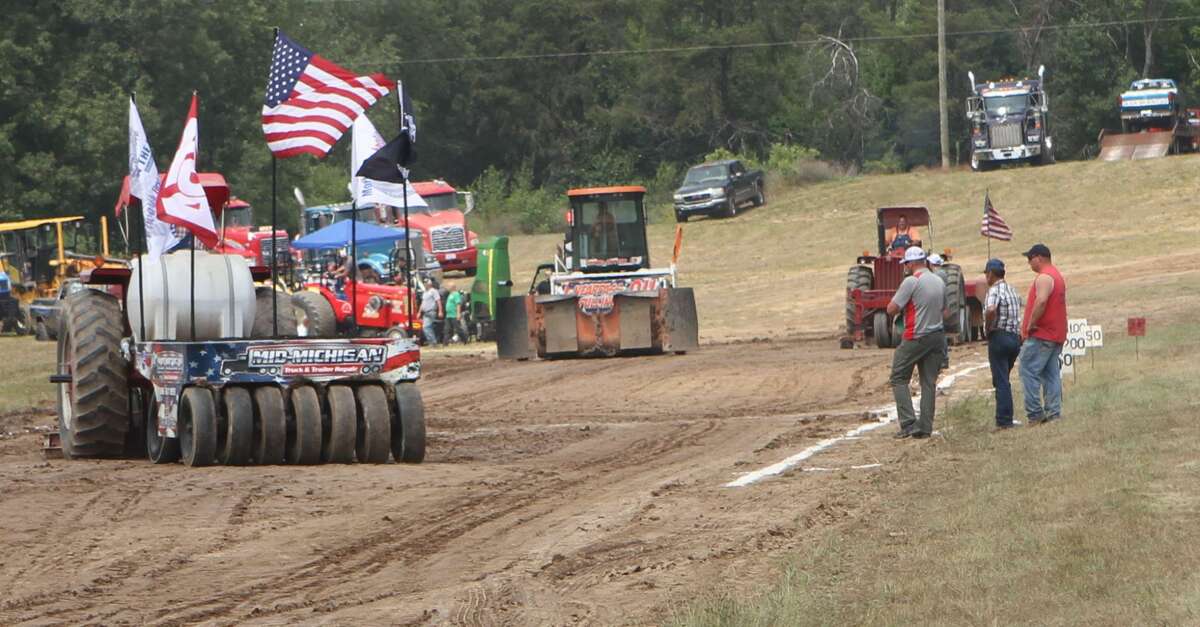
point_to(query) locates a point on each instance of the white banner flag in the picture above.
(366, 141)
(143, 185)
(182, 201)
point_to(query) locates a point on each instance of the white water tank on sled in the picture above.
(224, 297)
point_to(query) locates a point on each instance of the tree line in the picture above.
(523, 98)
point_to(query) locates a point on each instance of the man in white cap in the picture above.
(922, 298)
(935, 264)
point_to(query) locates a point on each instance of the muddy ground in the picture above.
(561, 492)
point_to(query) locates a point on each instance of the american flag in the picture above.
(310, 101)
(993, 225)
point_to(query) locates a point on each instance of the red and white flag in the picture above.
(311, 101)
(182, 201)
(993, 225)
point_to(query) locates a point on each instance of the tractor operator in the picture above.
(922, 296)
(903, 235)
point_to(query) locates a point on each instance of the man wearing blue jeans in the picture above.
(431, 306)
(1002, 318)
(1044, 331)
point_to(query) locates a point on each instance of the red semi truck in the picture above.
(443, 225)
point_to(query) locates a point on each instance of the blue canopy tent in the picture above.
(338, 234)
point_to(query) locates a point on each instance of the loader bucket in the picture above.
(683, 330)
(1120, 147)
(512, 327)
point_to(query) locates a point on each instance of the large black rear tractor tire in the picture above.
(374, 425)
(304, 427)
(93, 409)
(198, 427)
(340, 430)
(857, 278)
(314, 315)
(263, 314)
(408, 425)
(958, 325)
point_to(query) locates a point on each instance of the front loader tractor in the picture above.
(873, 280)
(600, 297)
(182, 358)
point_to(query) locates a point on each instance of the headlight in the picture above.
(716, 192)
(678, 197)
(981, 143)
(1033, 138)
(474, 241)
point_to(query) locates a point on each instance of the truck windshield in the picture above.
(610, 231)
(1016, 103)
(442, 202)
(240, 216)
(706, 174)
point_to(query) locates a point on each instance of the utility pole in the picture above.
(944, 121)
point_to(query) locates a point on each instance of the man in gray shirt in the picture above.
(431, 306)
(922, 298)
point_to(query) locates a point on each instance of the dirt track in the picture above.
(576, 491)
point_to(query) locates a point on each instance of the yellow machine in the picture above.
(35, 260)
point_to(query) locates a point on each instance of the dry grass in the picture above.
(1087, 521)
(25, 369)
(781, 269)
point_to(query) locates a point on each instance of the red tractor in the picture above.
(872, 282)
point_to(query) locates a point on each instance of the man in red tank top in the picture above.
(1043, 333)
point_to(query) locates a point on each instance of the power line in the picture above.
(781, 44)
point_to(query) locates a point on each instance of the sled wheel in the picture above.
(338, 430)
(408, 425)
(159, 448)
(270, 425)
(197, 427)
(374, 425)
(304, 428)
(235, 427)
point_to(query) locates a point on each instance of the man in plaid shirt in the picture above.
(1002, 314)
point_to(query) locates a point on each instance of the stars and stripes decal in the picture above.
(311, 101)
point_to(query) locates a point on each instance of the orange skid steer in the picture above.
(600, 297)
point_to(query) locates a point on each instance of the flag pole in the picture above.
(353, 276)
(986, 200)
(193, 262)
(408, 260)
(142, 219)
(274, 218)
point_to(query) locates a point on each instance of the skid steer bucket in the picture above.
(1123, 146)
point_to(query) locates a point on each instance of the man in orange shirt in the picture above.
(903, 234)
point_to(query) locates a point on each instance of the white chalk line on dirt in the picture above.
(887, 413)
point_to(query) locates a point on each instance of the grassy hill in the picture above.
(1123, 234)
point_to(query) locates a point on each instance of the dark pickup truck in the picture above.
(720, 187)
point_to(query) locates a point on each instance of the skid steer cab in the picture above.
(184, 358)
(600, 297)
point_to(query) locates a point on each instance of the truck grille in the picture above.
(269, 246)
(1005, 135)
(447, 238)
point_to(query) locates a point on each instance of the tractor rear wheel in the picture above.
(235, 430)
(857, 278)
(374, 425)
(339, 431)
(93, 408)
(883, 332)
(263, 324)
(408, 425)
(304, 428)
(270, 432)
(198, 427)
(958, 328)
(314, 315)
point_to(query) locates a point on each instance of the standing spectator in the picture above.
(935, 264)
(431, 305)
(922, 296)
(1002, 319)
(454, 329)
(1043, 331)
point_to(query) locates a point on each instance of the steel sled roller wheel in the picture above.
(235, 427)
(408, 425)
(374, 425)
(198, 427)
(270, 425)
(304, 427)
(340, 426)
